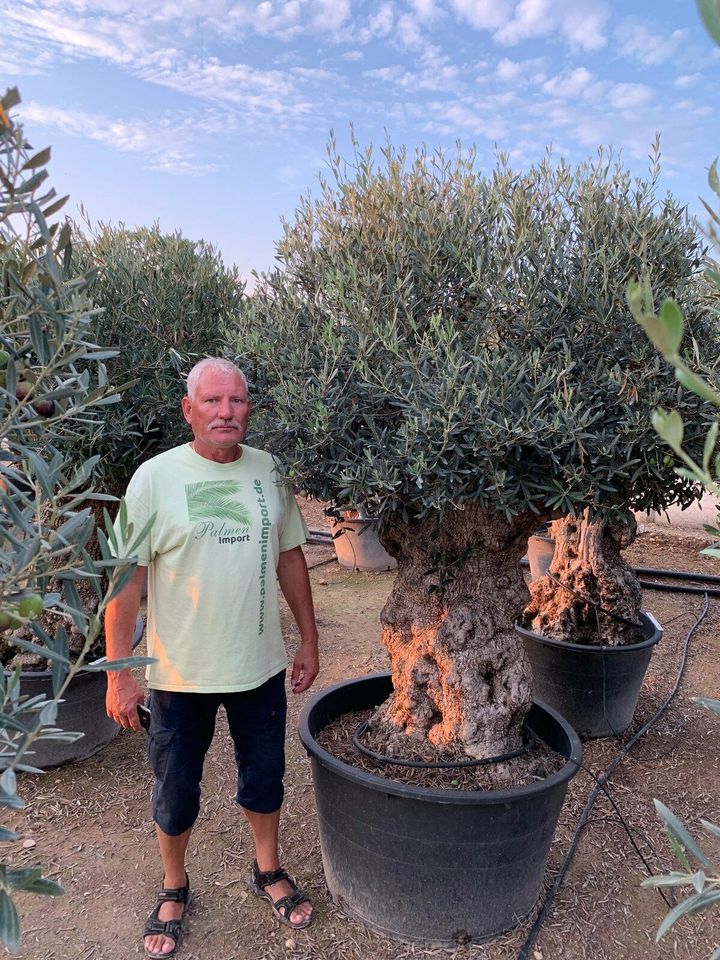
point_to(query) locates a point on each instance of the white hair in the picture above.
(218, 364)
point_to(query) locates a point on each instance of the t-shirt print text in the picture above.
(217, 512)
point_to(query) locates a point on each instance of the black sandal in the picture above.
(172, 929)
(284, 906)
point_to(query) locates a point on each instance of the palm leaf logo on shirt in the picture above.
(215, 499)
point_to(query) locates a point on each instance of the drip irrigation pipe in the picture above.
(676, 574)
(600, 787)
(659, 572)
(449, 765)
(678, 588)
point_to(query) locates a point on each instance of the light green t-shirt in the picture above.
(212, 553)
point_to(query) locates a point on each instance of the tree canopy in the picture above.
(435, 335)
(162, 300)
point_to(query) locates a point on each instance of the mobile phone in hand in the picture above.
(144, 716)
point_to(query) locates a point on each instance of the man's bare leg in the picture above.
(172, 852)
(265, 827)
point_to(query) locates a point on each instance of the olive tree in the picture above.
(162, 300)
(622, 232)
(52, 378)
(437, 347)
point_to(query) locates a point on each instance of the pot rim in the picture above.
(652, 625)
(410, 791)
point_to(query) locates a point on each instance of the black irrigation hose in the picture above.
(678, 588)
(452, 765)
(600, 786)
(676, 574)
(660, 572)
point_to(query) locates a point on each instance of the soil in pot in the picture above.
(537, 763)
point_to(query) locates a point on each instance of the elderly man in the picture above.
(223, 525)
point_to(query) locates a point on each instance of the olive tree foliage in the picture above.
(452, 351)
(52, 378)
(436, 336)
(666, 328)
(162, 299)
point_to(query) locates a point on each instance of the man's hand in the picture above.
(305, 668)
(124, 694)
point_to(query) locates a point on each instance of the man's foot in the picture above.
(290, 904)
(164, 926)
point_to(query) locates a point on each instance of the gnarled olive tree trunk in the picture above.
(587, 560)
(459, 673)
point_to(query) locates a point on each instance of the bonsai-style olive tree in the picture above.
(439, 346)
(622, 235)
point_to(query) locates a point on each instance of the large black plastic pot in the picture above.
(81, 711)
(595, 688)
(438, 866)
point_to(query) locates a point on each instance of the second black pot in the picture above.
(595, 688)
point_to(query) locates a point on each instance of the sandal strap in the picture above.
(168, 928)
(289, 902)
(174, 894)
(267, 878)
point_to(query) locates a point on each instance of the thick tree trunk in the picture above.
(588, 561)
(459, 674)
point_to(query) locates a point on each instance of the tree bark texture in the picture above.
(593, 579)
(459, 674)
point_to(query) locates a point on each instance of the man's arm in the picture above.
(124, 693)
(294, 582)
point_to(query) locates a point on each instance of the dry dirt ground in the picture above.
(89, 823)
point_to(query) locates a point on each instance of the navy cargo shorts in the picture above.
(181, 730)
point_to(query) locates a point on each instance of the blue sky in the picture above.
(212, 116)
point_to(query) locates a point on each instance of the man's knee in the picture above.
(174, 810)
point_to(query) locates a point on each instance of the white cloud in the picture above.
(379, 25)
(317, 75)
(508, 69)
(277, 19)
(628, 96)
(483, 14)
(100, 37)
(466, 118)
(431, 75)
(330, 15)
(425, 10)
(160, 142)
(638, 42)
(408, 31)
(257, 94)
(581, 22)
(521, 71)
(687, 80)
(570, 83)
